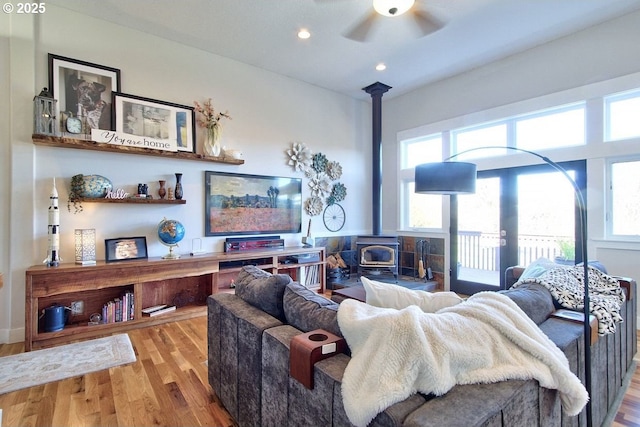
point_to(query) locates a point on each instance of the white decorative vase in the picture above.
(212, 141)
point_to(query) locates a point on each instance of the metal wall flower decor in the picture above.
(321, 172)
(299, 156)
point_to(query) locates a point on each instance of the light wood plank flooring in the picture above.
(166, 386)
(628, 414)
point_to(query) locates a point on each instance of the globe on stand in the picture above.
(170, 232)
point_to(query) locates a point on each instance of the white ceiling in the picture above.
(262, 33)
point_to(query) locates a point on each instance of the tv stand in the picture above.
(185, 282)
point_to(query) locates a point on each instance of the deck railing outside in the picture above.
(482, 250)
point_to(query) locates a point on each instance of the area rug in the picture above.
(57, 363)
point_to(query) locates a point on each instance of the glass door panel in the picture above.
(546, 220)
(479, 234)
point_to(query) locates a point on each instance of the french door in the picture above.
(516, 216)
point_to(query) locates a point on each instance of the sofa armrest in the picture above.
(628, 285)
(235, 330)
(511, 275)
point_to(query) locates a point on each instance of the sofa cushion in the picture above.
(262, 289)
(388, 295)
(306, 310)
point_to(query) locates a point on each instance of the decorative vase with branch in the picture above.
(210, 120)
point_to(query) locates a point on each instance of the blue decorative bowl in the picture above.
(95, 186)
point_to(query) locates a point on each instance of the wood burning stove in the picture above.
(377, 255)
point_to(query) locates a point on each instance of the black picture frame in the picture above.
(125, 249)
(251, 204)
(83, 90)
(153, 118)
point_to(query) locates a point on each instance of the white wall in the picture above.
(269, 112)
(599, 60)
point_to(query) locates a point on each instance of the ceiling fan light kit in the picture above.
(392, 7)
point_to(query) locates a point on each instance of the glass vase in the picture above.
(178, 191)
(212, 141)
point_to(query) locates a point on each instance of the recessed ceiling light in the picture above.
(304, 33)
(381, 67)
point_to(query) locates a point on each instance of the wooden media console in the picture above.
(185, 282)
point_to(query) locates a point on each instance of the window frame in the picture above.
(609, 234)
(607, 100)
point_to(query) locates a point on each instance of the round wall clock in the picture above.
(334, 217)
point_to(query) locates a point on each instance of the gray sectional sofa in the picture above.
(249, 336)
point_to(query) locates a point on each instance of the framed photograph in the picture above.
(125, 249)
(155, 119)
(251, 204)
(83, 91)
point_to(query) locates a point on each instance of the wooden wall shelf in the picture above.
(188, 280)
(133, 200)
(83, 144)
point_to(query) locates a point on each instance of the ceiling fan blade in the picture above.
(427, 22)
(361, 31)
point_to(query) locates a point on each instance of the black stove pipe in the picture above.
(376, 90)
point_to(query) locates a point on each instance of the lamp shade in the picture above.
(446, 178)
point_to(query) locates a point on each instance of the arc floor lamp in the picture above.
(454, 178)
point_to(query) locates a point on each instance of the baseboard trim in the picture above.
(11, 336)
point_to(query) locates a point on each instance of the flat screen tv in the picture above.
(251, 204)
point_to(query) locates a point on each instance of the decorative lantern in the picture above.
(44, 113)
(85, 246)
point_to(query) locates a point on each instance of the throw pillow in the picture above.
(262, 289)
(537, 268)
(387, 295)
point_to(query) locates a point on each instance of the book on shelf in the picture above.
(119, 309)
(153, 308)
(157, 310)
(310, 275)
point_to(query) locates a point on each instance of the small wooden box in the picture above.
(309, 348)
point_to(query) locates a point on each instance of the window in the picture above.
(424, 210)
(551, 129)
(622, 116)
(493, 135)
(423, 150)
(612, 118)
(625, 198)
(419, 211)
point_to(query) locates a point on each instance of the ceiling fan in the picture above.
(382, 9)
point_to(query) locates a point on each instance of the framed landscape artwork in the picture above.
(251, 204)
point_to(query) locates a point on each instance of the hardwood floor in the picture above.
(628, 414)
(166, 386)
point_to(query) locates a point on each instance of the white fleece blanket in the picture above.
(486, 339)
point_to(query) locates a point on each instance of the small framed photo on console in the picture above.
(125, 249)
